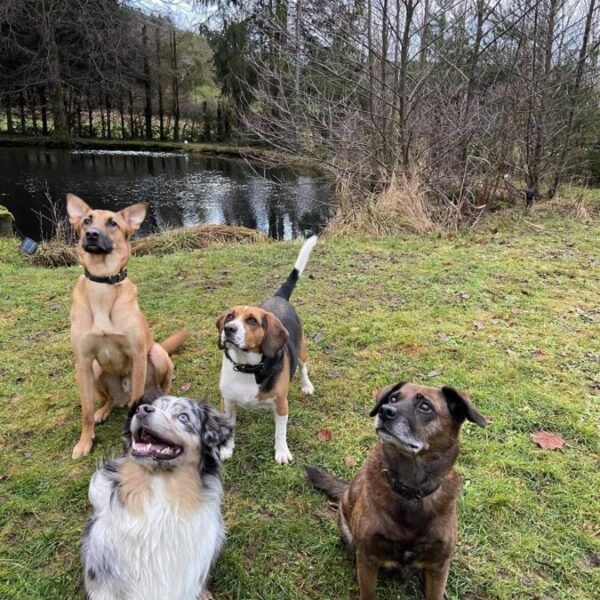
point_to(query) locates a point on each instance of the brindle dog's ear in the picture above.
(275, 335)
(134, 215)
(460, 407)
(77, 209)
(383, 395)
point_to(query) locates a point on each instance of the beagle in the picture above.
(261, 348)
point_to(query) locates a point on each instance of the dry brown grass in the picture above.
(59, 252)
(404, 205)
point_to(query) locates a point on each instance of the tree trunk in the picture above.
(122, 115)
(90, 115)
(147, 86)
(22, 113)
(161, 106)
(108, 117)
(44, 113)
(132, 131)
(175, 86)
(32, 110)
(79, 122)
(9, 120)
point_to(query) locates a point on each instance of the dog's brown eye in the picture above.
(112, 223)
(87, 220)
(425, 406)
(251, 321)
(229, 318)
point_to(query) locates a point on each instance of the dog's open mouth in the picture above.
(96, 249)
(148, 444)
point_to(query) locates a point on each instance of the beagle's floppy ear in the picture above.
(460, 407)
(77, 209)
(220, 325)
(275, 335)
(134, 215)
(383, 395)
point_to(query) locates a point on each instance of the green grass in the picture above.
(375, 311)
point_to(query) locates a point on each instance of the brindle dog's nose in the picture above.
(91, 235)
(387, 412)
(230, 329)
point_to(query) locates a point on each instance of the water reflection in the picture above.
(182, 190)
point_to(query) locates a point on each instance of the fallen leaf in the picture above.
(526, 580)
(374, 394)
(547, 440)
(185, 387)
(324, 435)
(525, 292)
(435, 373)
(511, 353)
(350, 461)
(537, 352)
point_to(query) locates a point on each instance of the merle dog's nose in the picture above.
(148, 409)
(91, 235)
(230, 329)
(387, 412)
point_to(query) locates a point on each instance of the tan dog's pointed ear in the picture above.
(134, 215)
(275, 336)
(77, 210)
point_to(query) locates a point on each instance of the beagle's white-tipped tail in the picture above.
(304, 254)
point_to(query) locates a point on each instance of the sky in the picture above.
(185, 13)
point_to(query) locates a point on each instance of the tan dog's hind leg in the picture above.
(282, 452)
(85, 380)
(435, 582)
(102, 413)
(366, 571)
(163, 368)
(307, 386)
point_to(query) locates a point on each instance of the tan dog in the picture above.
(114, 352)
(400, 509)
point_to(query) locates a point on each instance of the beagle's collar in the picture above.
(261, 370)
(110, 280)
(410, 493)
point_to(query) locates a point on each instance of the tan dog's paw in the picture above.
(283, 456)
(102, 414)
(83, 448)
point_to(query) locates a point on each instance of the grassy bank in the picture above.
(509, 313)
(228, 150)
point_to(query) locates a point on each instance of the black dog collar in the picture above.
(406, 491)
(111, 279)
(261, 370)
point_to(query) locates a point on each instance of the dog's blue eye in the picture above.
(393, 400)
(183, 417)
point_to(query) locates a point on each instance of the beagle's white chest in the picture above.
(240, 388)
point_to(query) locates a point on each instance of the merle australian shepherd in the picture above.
(157, 525)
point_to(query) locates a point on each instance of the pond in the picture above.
(181, 189)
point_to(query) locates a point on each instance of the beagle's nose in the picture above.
(230, 329)
(91, 235)
(387, 411)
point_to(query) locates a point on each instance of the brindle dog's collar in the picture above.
(410, 493)
(110, 280)
(261, 370)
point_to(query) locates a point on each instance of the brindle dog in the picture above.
(114, 352)
(400, 509)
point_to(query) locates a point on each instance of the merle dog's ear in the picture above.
(216, 428)
(460, 407)
(383, 395)
(147, 398)
(275, 335)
